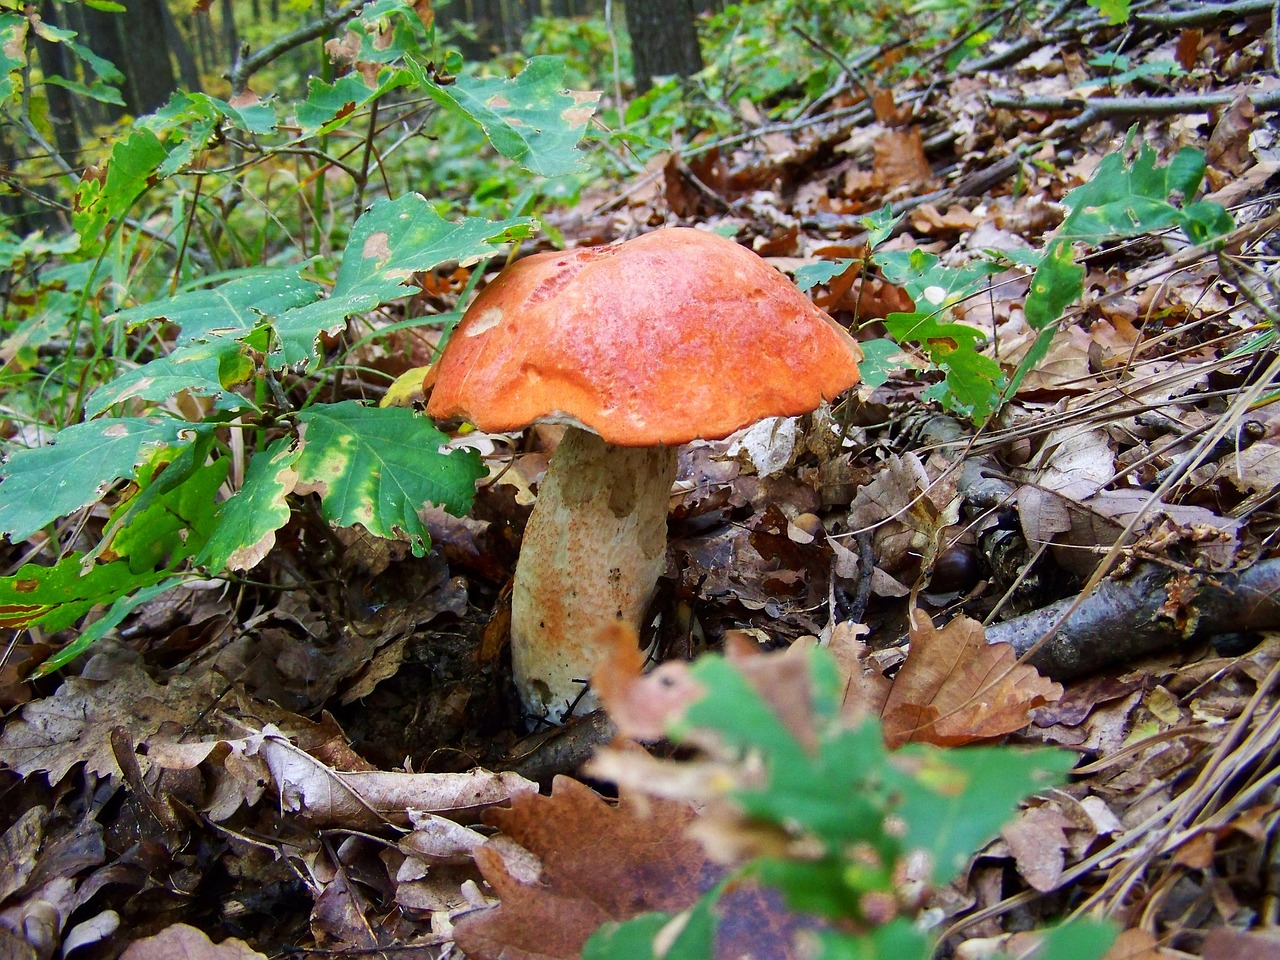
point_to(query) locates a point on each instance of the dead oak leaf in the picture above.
(582, 862)
(74, 725)
(1037, 838)
(181, 942)
(596, 863)
(955, 688)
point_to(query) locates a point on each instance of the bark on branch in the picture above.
(247, 66)
(1100, 108)
(1153, 610)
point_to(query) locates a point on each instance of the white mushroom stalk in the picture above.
(593, 551)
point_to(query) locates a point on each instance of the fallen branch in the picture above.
(1154, 610)
(1100, 108)
(1206, 14)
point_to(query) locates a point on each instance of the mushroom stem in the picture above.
(593, 550)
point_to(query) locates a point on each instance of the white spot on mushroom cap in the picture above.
(485, 322)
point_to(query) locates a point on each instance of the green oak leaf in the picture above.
(244, 527)
(56, 597)
(1077, 940)
(898, 939)
(633, 939)
(952, 802)
(1129, 199)
(13, 40)
(379, 467)
(1116, 11)
(190, 122)
(172, 525)
(205, 369)
(390, 243)
(232, 308)
(529, 118)
(44, 483)
(824, 271)
(145, 590)
(130, 171)
(880, 358)
(972, 381)
(329, 106)
(932, 285)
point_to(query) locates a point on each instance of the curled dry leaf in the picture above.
(955, 688)
(181, 942)
(642, 706)
(325, 795)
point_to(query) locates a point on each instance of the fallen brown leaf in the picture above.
(955, 688)
(181, 942)
(1037, 838)
(583, 862)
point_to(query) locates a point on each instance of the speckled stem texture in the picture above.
(593, 550)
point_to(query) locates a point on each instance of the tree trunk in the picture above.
(100, 31)
(148, 70)
(54, 62)
(229, 36)
(664, 40)
(181, 49)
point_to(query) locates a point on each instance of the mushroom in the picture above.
(638, 347)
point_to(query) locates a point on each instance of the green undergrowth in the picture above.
(198, 317)
(1130, 194)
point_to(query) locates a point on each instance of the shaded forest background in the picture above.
(159, 46)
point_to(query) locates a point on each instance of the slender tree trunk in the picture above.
(182, 52)
(664, 40)
(100, 31)
(148, 71)
(54, 62)
(208, 44)
(229, 36)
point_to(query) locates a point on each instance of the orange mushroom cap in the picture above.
(674, 335)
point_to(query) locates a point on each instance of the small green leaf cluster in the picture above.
(1130, 194)
(851, 813)
(191, 423)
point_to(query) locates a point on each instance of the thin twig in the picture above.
(245, 67)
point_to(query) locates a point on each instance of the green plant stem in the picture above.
(186, 233)
(362, 176)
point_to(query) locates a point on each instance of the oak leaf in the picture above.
(181, 942)
(955, 688)
(583, 862)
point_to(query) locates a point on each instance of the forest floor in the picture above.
(304, 767)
